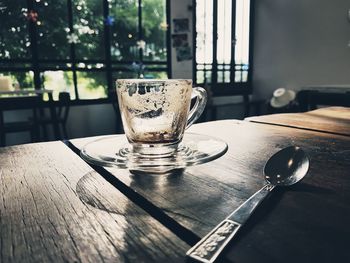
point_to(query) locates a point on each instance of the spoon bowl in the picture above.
(286, 167)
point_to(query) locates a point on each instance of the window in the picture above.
(222, 41)
(82, 46)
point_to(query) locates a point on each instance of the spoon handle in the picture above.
(210, 246)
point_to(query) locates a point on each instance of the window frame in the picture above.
(231, 88)
(39, 66)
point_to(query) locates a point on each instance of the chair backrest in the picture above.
(18, 103)
(64, 105)
(311, 99)
(112, 96)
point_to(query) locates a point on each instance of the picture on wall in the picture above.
(180, 40)
(183, 53)
(181, 25)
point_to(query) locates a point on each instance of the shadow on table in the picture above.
(94, 191)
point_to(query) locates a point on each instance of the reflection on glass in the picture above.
(58, 81)
(92, 85)
(87, 32)
(51, 29)
(14, 34)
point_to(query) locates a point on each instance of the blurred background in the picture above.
(241, 51)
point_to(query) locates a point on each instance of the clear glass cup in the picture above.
(155, 113)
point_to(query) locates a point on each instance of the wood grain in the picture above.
(304, 223)
(55, 208)
(334, 120)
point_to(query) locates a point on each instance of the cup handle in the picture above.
(198, 107)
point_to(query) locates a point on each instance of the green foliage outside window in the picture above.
(79, 48)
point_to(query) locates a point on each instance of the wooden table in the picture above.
(55, 207)
(333, 120)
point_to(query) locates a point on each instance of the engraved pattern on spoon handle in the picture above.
(210, 247)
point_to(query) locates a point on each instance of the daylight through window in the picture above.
(222, 44)
(82, 46)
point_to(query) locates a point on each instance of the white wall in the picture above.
(299, 43)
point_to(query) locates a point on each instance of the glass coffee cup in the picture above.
(155, 113)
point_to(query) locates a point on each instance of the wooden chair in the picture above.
(28, 125)
(58, 118)
(112, 96)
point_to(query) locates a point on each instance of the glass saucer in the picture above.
(116, 151)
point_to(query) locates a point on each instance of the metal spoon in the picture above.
(286, 167)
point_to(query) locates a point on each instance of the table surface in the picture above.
(55, 207)
(334, 120)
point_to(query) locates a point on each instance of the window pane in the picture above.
(238, 76)
(220, 77)
(200, 76)
(242, 31)
(204, 28)
(88, 29)
(227, 76)
(232, 39)
(224, 32)
(124, 75)
(92, 85)
(156, 75)
(52, 29)
(14, 34)
(208, 77)
(58, 81)
(124, 31)
(244, 76)
(16, 80)
(154, 29)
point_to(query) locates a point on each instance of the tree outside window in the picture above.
(82, 46)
